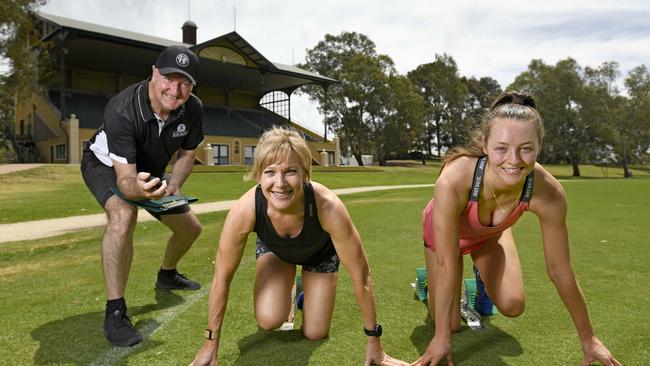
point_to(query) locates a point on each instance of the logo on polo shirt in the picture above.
(182, 60)
(181, 131)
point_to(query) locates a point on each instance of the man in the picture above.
(144, 125)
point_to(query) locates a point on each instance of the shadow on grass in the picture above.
(79, 339)
(276, 348)
(481, 347)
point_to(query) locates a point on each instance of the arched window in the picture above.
(277, 102)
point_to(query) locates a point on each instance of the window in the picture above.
(330, 158)
(220, 154)
(277, 102)
(249, 154)
(60, 152)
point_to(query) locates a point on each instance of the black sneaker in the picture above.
(119, 330)
(175, 282)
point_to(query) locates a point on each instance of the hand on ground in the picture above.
(594, 351)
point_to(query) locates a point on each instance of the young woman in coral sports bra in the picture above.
(482, 190)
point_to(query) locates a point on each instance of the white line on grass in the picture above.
(111, 356)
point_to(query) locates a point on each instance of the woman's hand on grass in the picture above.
(438, 350)
(594, 350)
(207, 355)
(375, 355)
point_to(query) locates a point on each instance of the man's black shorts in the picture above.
(100, 178)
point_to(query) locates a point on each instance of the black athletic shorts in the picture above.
(330, 265)
(101, 178)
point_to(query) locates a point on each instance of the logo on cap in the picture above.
(182, 60)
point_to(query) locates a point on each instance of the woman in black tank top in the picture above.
(297, 222)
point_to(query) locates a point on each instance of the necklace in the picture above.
(503, 210)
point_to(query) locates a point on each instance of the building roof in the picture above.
(100, 30)
(95, 47)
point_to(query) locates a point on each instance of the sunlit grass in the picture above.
(53, 298)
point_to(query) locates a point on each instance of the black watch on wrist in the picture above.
(375, 332)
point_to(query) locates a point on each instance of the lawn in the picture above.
(53, 296)
(54, 191)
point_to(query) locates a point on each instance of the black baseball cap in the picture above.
(178, 59)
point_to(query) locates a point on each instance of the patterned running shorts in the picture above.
(330, 265)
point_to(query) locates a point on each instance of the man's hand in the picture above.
(173, 190)
(151, 188)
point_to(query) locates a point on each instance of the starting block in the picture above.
(289, 323)
(421, 284)
(471, 294)
(296, 293)
(468, 305)
(471, 316)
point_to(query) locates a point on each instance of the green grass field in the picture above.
(53, 299)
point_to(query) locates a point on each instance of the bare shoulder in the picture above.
(325, 198)
(243, 210)
(457, 176)
(546, 185)
(548, 194)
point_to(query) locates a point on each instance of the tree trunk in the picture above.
(626, 170)
(358, 157)
(380, 157)
(576, 169)
(438, 139)
(12, 137)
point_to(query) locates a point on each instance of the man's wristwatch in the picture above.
(210, 335)
(375, 332)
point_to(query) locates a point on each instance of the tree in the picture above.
(572, 127)
(7, 143)
(635, 126)
(600, 105)
(328, 58)
(360, 109)
(365, 89)
(29, 61)
(443, 93)
(404, 117)
(480, 95)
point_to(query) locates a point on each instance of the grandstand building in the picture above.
(243, 93)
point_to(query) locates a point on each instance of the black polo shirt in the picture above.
(132, 134)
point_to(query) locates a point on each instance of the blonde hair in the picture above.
(510, 105)
(276, 144)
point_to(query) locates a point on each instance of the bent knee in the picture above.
(196, 230)
(270, 321)
(190, 232)
(117, 214)
(512, 307)
(315, 334)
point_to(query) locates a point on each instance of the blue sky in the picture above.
(486, 38)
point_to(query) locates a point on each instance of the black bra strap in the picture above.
(477, 182)
(528, 187)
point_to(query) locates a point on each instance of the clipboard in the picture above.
(160, 205)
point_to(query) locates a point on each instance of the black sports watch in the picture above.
(376, 332)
